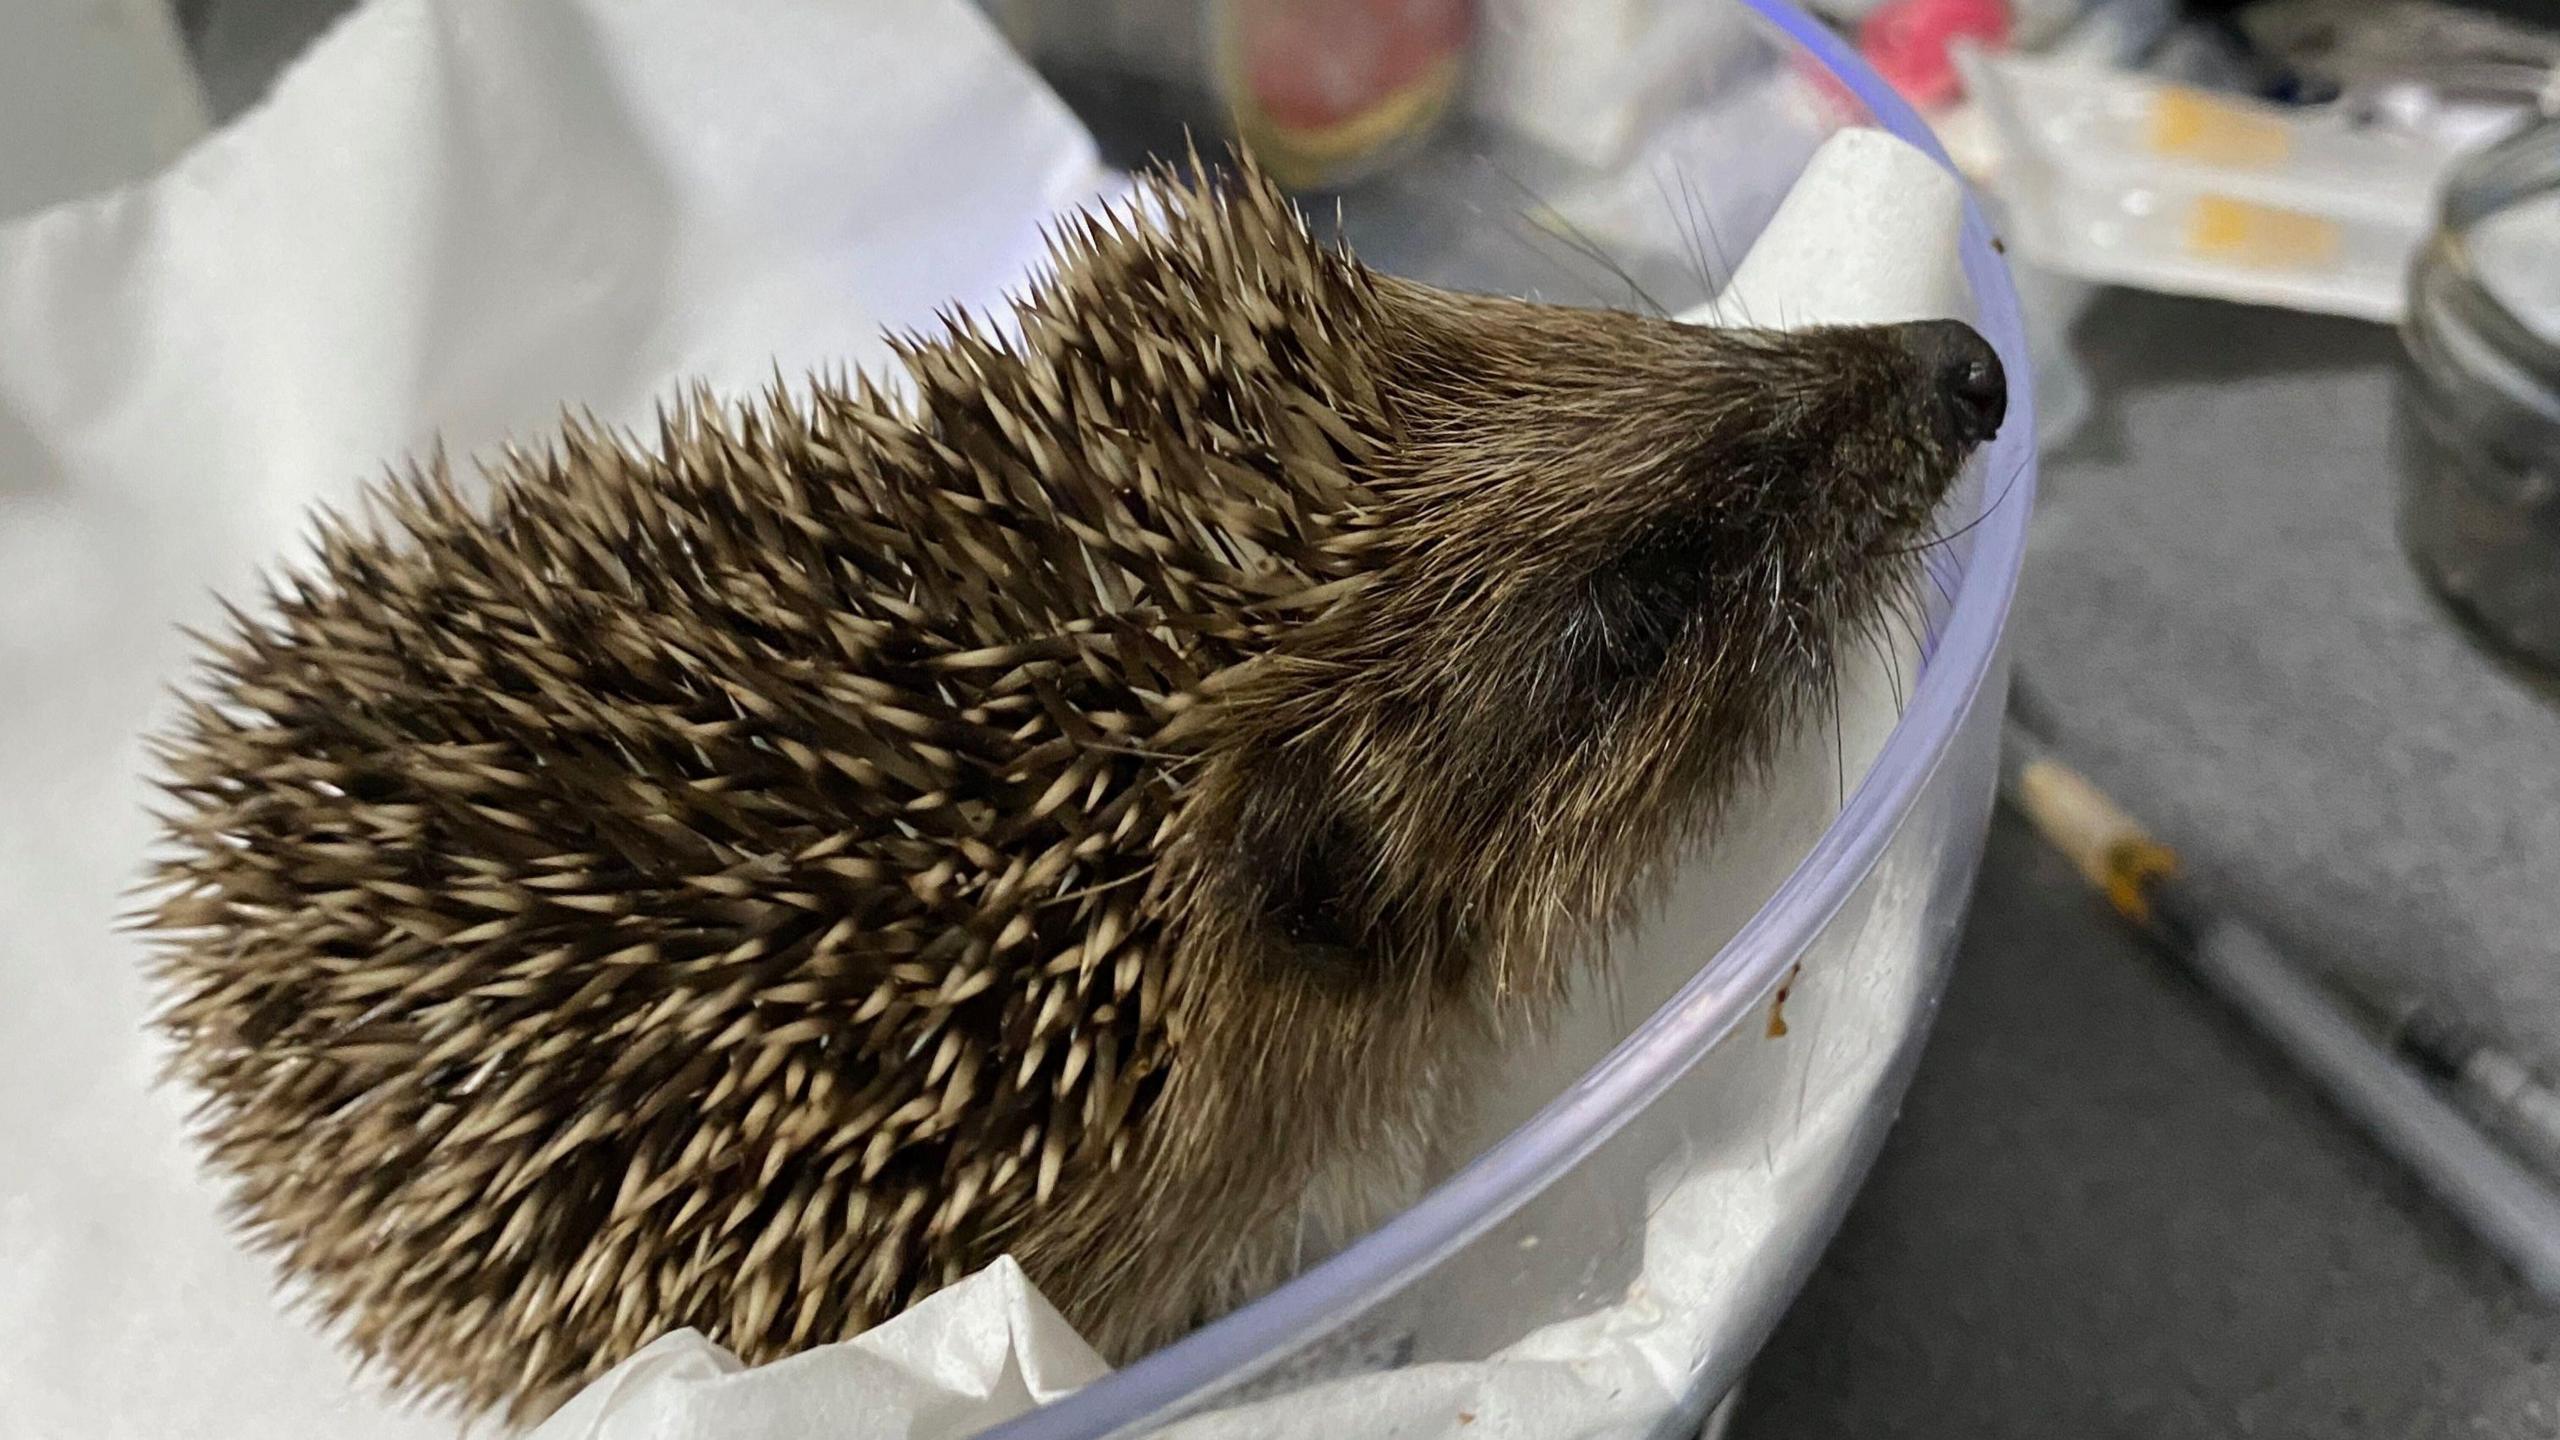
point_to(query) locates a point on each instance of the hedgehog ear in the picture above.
(1305, 867)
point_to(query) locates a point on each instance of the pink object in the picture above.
(1907, 42)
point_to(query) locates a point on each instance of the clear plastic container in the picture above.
(1556, 1237)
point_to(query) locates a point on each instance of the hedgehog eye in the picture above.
(1309, 896)
(1304, 866)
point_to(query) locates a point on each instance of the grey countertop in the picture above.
(2108, 1210)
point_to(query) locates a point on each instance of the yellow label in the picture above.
(2195, 126)
(2260, 236)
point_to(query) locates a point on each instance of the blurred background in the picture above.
(2293, 598)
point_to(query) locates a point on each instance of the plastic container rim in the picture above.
(1711, 1003)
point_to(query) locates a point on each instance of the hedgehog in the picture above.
(1105, 801)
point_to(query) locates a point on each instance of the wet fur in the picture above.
(1099, 806)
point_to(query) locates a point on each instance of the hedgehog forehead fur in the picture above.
(1081, 807)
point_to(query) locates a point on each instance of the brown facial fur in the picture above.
(1090, 810)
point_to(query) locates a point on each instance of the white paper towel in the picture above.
(451, 220)
(955, 1363)
(455, 217)
(92, 93)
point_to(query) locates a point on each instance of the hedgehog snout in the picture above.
(1967, 388)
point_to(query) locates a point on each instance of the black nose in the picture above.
(1964, 373)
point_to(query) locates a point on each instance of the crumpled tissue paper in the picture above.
(450, 220)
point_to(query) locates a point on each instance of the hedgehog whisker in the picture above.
(2016, 473)
(1577, 237)
(1517, 229)
(1691, 248)
(1703, 217)
(1872, 632)
(1839, 731)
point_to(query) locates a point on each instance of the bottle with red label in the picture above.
(1327, 91)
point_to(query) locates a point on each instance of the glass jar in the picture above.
(2479, 412)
